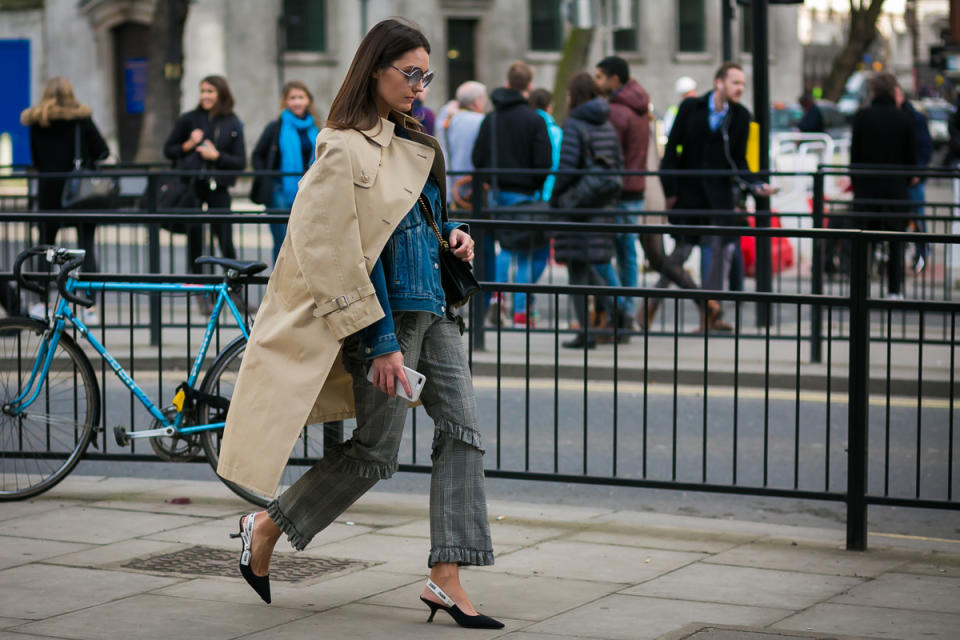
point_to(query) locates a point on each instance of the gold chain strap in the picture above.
(425, 210)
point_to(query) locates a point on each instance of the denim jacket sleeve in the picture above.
(449, 226)
(380, 338)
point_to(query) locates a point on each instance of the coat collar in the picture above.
(382, 133)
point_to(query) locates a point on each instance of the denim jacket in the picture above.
(406, 276)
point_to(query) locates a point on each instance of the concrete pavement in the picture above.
(106, 558)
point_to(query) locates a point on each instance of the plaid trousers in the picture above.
(459, 530)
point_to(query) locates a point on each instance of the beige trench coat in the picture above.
(360, 187)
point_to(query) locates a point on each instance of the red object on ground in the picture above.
(781, 251)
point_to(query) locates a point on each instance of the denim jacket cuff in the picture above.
(383, 345)
(450, 226)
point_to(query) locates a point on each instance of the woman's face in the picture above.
(297, 102)
(208, 96)
(393, 88)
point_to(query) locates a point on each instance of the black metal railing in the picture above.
(843, 395)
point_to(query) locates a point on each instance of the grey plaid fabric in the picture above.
(459, 530)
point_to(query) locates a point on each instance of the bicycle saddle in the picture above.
(242, 267)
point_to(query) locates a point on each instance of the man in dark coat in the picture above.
(520, 138)
(812, 120)
(629, 115)
(884, 135)
(710, 132)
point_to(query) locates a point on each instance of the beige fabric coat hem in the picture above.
(350, 200)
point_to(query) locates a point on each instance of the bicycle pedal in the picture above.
(121, 435)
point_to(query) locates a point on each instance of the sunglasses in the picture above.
(417, 76)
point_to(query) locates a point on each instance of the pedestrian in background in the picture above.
(55, 124)
(423, 113)
(710, 132)
(685, 87)
(629, 115)
(587, 133)
(884, 136)
(357, 290)
(209, 138)
(287, 144)
(522, 142)
(458, 133)
(917, 190)
(812, 120)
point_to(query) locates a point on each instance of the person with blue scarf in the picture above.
(287, 145)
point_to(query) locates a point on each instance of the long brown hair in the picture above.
(224, 104)
(582, 89)
(294, 85)
(355, 106)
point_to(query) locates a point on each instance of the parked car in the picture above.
(785, 116)
(939, 112)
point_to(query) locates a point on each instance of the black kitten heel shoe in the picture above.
(478, 621)
(260, 584)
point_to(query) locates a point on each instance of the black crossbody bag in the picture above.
(456, 276)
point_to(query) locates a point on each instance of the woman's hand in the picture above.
(461, 244)
(208, 152)
(387, 371)
(196, 137)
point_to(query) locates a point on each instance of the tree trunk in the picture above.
(863, 31)
(575, 53)
(164, 69)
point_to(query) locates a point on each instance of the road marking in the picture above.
(906, 537)
(659, 389)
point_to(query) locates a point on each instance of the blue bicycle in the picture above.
(50, 395)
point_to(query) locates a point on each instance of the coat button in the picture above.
(363, 177)
(436, 266)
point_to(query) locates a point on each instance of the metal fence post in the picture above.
(478, 305)
(859, 389)
(153, 256)
(816, 270)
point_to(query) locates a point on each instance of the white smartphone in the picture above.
(415, 378)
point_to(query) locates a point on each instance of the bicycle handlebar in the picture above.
(29, 285)
(69, 259)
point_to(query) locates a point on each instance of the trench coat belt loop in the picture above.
(342, 302)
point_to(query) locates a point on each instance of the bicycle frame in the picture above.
(64, 314)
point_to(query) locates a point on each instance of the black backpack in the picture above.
(596, 188)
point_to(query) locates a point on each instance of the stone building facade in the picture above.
(258, 44)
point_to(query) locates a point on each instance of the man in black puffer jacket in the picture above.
(587, 131)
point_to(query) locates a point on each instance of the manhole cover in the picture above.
(211, 561)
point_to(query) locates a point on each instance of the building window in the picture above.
(627, 39)
(746, 28)
(691, 26)
(305, 25)
(546, 25)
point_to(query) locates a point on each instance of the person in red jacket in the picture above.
(629, 114)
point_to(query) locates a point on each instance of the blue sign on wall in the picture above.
(15, 96)
(135, 83)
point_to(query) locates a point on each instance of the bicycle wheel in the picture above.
(220, 380)
(41, 445)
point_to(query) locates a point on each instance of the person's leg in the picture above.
(344, 474)
(706, 255)
(86, 235)
(921, 250)
(721, 259)
(220, 200)
(627, 259)
(194, 247)
(737, 269)
(522, 275)
(459, 529)
(578, 274)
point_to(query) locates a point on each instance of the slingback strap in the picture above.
(437, 591)
(246, 535)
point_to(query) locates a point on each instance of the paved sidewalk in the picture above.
(85, 560)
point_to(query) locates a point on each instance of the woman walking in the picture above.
(286, 144)
(587, 133)
(209, 138)
(61, 131)
(357, 285)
